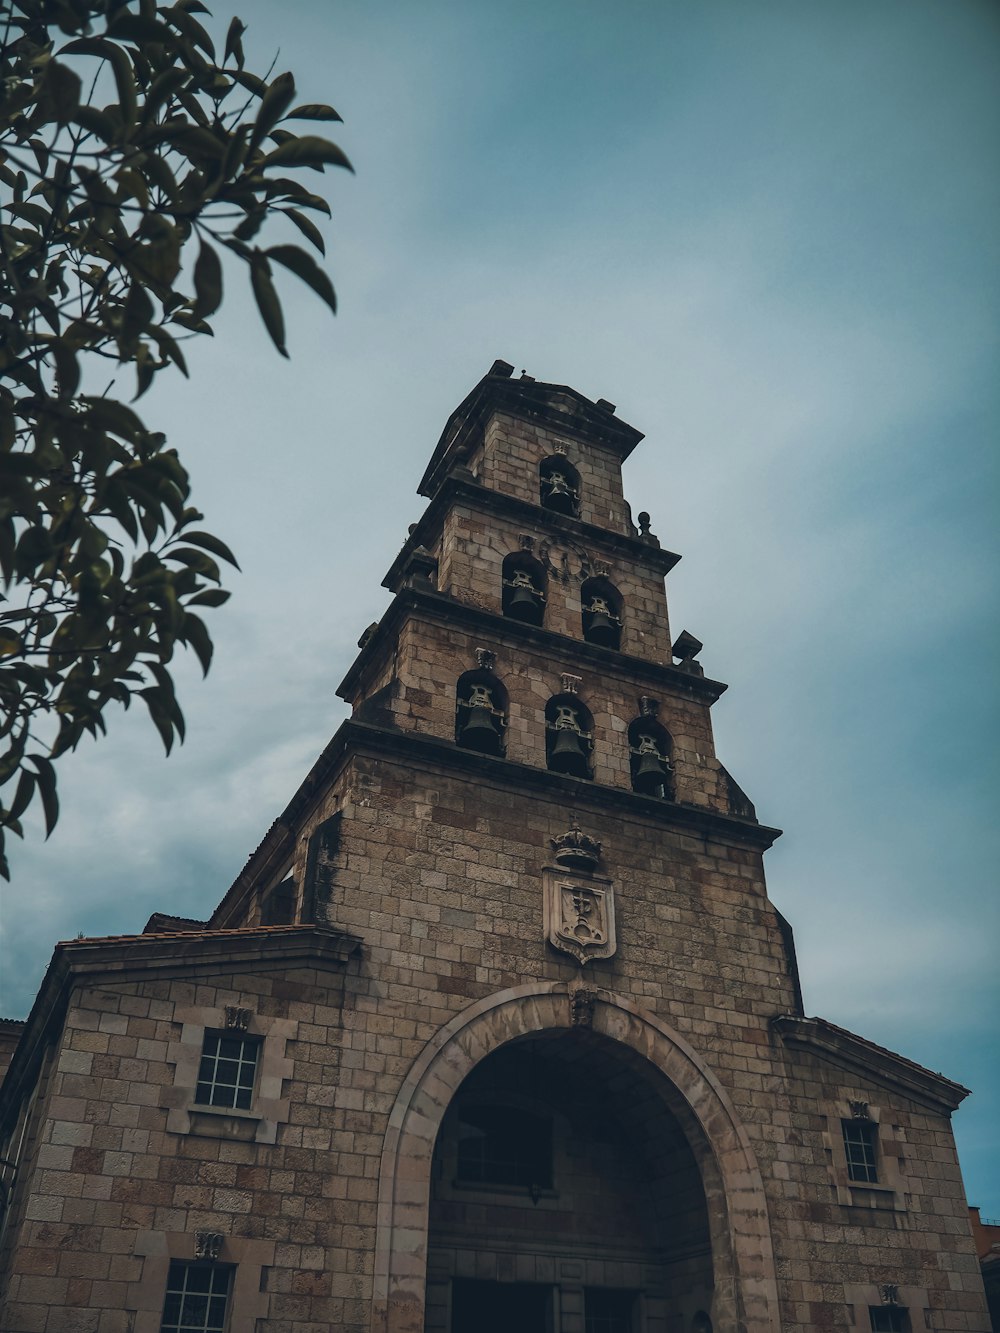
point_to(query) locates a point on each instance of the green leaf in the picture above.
(273, 105)
(234, 41)
(213, 544)
(307, 150)
(197, 636)
(307, 227)
(305, 267)
(267, 301)
(313, 111)
(120, 65)
(64, 88)
(137, 313)
(67, 369)
(47, 790)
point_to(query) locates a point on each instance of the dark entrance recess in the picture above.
(500, 1307)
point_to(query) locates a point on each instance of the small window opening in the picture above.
(860, 1145)
(569, 736)
(601, 606)
(278, 907)
(501, 1145)
(197, 1298)
(481, 713)
(559, 485)
(524, 586)
(650, 750)
(889, 1319)
(228, 1070)
(608, 1311)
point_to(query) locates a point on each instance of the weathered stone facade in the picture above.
(495, 1076)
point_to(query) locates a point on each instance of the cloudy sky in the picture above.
(766, 229)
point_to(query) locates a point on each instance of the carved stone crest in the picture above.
(238, 1019)
(580, 916)
(208, 1245)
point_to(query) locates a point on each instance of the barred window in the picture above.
(888, 1319)
(859, 1145)
(607, 1310)
(228, 1069)
(197, 1299)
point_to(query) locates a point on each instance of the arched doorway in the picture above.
(647, 1074)
(565, 1197)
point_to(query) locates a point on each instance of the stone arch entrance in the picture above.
(648, 1051)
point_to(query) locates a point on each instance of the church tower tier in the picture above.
(498, 1027)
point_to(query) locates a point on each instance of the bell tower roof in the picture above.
(554, 405)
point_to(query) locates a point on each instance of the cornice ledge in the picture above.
(677, 814)
(573, 529)
(451, 610)
(846, 1049)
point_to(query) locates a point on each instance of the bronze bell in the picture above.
(568, 753)
(602, 627)
(479, 729)
(524, 602)
(558, 494)
(651, 773)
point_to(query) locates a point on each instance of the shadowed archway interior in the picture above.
(565, 1196)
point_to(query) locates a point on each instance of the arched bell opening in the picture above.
(524, 588)
(569, 736)
(650, 758)
(559, 485)
(481, 705)
(601, 608)
(562, 1181)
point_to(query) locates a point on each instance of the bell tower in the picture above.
(497, 1028)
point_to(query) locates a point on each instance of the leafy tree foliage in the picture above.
(131, 157)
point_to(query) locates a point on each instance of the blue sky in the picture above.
(767, 231)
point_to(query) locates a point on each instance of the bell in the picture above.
(650, 775)
(479, 730)
(523, 603)
(558, 494)
(601, 629)
(568, 754)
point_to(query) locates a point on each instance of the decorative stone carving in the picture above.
(859, 1110)
(527, 543)
(648, 706)
(208, 1245)
(559, 449)
(889, 1293)
(601, 569)
(576, 849)
(485, 659)
(570, 683)
(580, 917)
(238, 1019)
(565, 561)
(581, 1007)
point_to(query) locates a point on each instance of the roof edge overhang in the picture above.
(464, 487)
(449, 611)
(836, 1045)
(531, 399)
(103, 961)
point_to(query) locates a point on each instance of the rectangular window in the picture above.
(606, 1310)
(859, 1145)
(228, 1069)
(197, 1299)
(889, 1319)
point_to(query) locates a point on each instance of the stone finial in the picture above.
(486, 659)
(570, 683)
(605, 405)
(420, 568)
(237, 1019)
(644, 533)
(208, 1245)
(686, 647)
(576, 849)
(502, 370)
(369, 632)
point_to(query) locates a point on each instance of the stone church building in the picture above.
(497, 1028)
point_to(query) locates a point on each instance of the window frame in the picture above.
(156, 1250)
(242, 1091)
(862, 1169)
(268, 1109)
(183, 1319)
